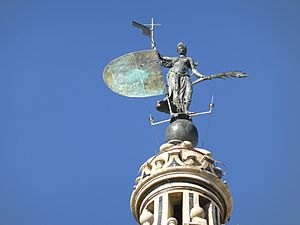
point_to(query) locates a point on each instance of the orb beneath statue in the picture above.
(183, 130)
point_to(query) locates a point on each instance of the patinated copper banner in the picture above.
(137, 74)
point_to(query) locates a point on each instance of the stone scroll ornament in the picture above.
(139, 74)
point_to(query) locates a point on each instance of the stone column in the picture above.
(211, 215)
(186, 201)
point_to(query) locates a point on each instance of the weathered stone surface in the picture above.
(182, 175)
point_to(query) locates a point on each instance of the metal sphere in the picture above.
(183, 130)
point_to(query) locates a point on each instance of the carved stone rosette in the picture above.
(182, 184)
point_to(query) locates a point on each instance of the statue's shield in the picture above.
(137, 74)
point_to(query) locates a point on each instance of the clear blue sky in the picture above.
(70, 149)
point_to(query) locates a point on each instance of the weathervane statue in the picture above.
(139, 74)
(182, 183)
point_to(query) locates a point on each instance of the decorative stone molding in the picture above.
(172, 221)
(197, 212)
(159, 163)
(197, 215)
(146, 218)
(180, 155)
(180, 168)
(187, 144)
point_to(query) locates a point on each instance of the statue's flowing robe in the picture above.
(179, 86)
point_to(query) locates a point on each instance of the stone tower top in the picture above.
(181, 183)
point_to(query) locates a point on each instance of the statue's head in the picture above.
(181, 48)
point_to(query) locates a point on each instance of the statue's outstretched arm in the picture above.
(166, 60)
(194, 70)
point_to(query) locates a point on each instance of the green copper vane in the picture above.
(137, 74)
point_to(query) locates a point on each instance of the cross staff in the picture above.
(146, 30)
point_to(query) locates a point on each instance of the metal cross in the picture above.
(148, 31)
(152, 32)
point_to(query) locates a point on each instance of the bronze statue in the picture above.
(139, 74)
(179, 86)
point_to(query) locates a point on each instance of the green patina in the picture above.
(136, 74)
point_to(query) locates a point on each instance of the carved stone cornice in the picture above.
(181, 167)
